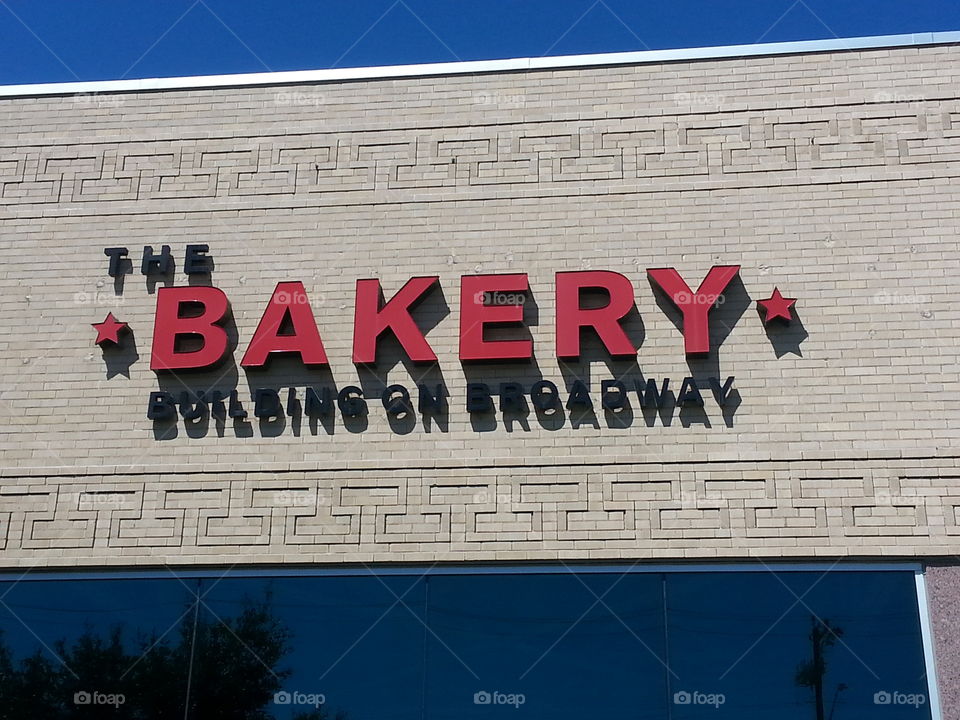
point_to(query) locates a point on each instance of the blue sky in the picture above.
(69, 40)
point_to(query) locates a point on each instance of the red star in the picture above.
(108, 331)
(777, 306)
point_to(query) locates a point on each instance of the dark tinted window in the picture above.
(558, 645)
(354, 644)
(73, 648)
(754, 645)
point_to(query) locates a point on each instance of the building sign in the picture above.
(190, 335)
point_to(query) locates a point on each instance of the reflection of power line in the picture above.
(811, 673)
(836, 696)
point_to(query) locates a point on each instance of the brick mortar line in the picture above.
(71, 212)
(113, 472)
(548, 559)
(519, 123)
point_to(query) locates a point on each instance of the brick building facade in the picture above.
(827, 174)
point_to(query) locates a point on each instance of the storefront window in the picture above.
(560, 646)
(759, 645)
(354, 645)
(557, 642)
(83, 648)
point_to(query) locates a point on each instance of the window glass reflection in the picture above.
(748, 645)
(751, 645)
(345, 646)
(85, 648)
(554, 646)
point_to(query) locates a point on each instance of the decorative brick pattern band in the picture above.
(595, 511)
(714, 151)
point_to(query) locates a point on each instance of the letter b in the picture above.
(172, 326)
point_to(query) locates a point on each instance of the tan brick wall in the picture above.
(831, 176)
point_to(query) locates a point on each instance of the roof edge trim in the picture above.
(383, 72)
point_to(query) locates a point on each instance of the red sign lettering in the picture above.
(605, 321)
(287, 326)
(171, 328)
(492, 300)
(372, 318)
(695, 306)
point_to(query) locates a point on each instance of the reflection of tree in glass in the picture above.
(811, 673)
(229, 670)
